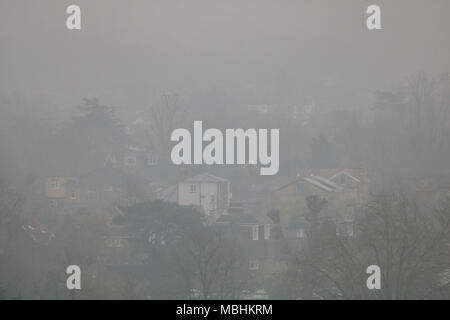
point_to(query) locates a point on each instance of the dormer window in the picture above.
(253, 265)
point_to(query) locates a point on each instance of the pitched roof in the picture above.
(169, 194)
(346, 174)
(330, 173)
(326, 182)
(317, 181)
(37, 232)
(320, 184)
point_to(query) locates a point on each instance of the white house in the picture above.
(205, 190)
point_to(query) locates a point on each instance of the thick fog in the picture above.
(127, 53)
(87, 170)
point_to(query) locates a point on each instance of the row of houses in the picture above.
(262, 236)
(343, 190)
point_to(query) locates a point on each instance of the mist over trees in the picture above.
(403, 147)
(86, 176)
(408, 243)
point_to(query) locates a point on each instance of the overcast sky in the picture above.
(130, 51)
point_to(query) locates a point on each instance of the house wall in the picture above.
(209, 196)
(55, 187)
(223, 200)
(205, 195)
(186, 197)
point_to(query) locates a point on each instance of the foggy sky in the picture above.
(128, 52)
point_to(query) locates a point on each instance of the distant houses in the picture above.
(254, 232)
(343, 190)
(262, 237)
(121, 179)
(133, 160)
(60, 187)
(241, 220)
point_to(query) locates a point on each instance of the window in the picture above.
(267, 231)
(155, 239)
(350, 229)
(130, 161)
(55, 184)
(342, 179)
(301, 233)
(255, 232)
(152, 159)
(253, 265)
(152, 238)
(114, 242)
(72, 194)
(53, 204)
(193, 188)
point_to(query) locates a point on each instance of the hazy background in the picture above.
(129, 51)
(85, 171)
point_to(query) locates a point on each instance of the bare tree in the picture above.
(11, 207)
(406, 241)
(164, 118)
(209, 259)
